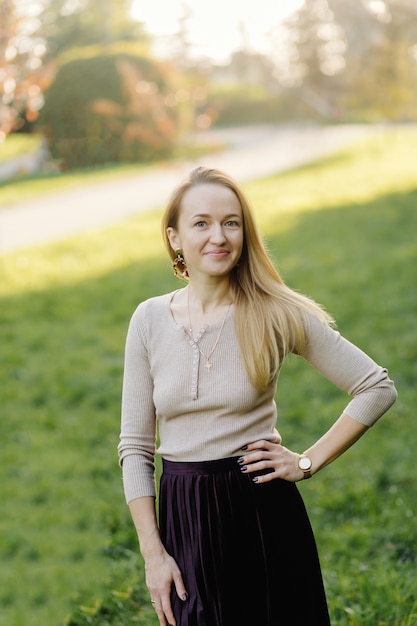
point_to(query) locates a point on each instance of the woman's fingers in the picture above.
(166, 574)
(163, 606)
(272, 460)
(168, 615)
(160, 613)
(261, 444)
(179, 586)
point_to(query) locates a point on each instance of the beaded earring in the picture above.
(179, 266)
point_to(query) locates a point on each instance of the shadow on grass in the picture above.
(61, 364)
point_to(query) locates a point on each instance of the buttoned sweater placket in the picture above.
(196, 362)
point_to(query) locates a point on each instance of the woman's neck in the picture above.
(206, 299)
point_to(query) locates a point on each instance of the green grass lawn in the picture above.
(18, 144)
(342, 230)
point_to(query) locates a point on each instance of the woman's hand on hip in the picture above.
(161, 573)
(273, 459)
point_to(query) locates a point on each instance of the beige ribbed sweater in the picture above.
(204, 414)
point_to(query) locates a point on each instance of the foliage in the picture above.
(111, 107)
(355, 60)
(246, 104)
(337, 60)
(65, 25)
(34, 34)
(21, 74)
(343, 230)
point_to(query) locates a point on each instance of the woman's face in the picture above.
(209, 230)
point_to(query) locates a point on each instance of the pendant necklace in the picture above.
(206, 356)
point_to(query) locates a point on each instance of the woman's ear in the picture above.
(173, 238)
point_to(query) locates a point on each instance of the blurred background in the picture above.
(104, 105)
(98, 81)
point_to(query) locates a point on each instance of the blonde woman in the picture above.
(232, 544)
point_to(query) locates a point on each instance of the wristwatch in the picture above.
(304, 463)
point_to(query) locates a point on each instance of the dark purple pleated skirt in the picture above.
(246, 551)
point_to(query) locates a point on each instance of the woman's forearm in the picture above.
(144, 518)
(161, 571)
(341, 436)
(283, 462)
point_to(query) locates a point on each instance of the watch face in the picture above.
(304, 463)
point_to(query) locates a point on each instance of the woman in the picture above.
(233, 544)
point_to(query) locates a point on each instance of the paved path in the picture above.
(251, 153)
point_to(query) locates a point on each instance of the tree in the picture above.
(32, 35)
(316, 49)
(21, 71)
(66, 24)
(381, 77)
(356, 58)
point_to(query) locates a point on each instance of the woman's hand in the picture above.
(161, 572)
(161, 569)
(274, 458)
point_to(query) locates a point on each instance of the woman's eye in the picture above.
(200, 224)
(232, 223)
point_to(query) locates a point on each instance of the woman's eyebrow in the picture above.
(227, 217)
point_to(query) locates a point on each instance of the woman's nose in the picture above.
(217, 233)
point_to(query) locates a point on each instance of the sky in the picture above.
(214, 27)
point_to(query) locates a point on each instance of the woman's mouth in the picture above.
(217, 253)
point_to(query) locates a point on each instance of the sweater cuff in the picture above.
(138, 478)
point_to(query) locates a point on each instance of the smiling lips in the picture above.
(217, 253)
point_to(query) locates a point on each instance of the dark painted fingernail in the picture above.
(240, 460)
(184, 596)
(244, 447)
(243, 468)
(255, 480)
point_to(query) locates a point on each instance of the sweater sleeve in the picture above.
(345, 365)
(138, 425)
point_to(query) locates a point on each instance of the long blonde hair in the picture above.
(270, 318)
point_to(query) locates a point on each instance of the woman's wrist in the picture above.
(152, 550)
(305, 465)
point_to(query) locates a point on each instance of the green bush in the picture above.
(111, 107)
(248, 105)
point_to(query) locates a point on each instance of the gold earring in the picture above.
(179, 266)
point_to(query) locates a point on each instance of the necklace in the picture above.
(209, 355)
